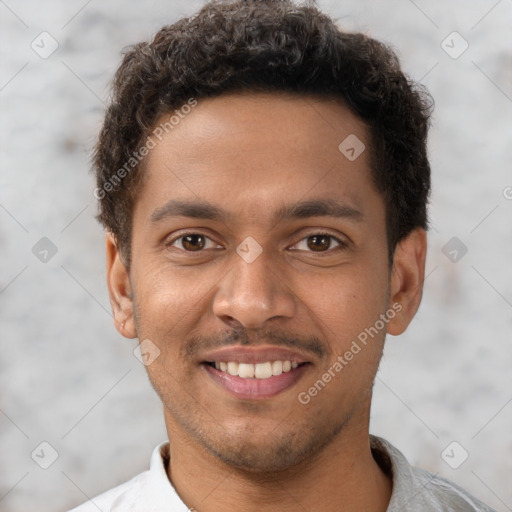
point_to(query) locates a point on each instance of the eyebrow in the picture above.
(301, 210)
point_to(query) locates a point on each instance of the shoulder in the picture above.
(106, 501)
(443, 494)
(418, 489)
(150, 491)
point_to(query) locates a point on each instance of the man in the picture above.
(263, 180)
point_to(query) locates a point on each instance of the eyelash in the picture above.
(342, 245)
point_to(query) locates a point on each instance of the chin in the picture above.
(269, 451)
(263, 457)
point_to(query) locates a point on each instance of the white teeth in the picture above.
(233, 368)
(246, 371)
(277, 367)
(262, 370)
(258, 370)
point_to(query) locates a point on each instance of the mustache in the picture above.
(240, 336)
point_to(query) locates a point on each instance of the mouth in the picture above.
(254, 370)
(252, 374)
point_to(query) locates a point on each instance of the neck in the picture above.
(344, 474)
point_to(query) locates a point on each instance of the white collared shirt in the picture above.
(414, 489)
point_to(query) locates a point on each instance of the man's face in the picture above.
(268, 278)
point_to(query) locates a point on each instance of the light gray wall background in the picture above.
(68, 379)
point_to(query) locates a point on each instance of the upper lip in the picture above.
(254, 354)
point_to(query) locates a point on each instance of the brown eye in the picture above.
(193, 242)
(319, 242)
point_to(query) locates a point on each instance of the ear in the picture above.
(119, 289)
(407, 277)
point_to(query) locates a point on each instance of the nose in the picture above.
(253, 293)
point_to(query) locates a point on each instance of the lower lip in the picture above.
(256, 389)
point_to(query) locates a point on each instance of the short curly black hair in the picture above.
(265, 46)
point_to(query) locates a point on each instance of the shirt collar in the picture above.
(151, 491)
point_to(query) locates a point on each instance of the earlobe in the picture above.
(119, 289)
(407, 276)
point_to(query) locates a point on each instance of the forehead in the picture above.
(255, 150)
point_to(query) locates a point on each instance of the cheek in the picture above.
(347, 313)
(169, 306)
(348, 309)
(165, 296)
(163, 312)
(352, 298)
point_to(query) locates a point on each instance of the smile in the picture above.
(252, 381)
(255, 371)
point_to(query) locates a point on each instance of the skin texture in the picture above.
(250, 154)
